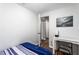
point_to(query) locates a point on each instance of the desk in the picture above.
(67, 47)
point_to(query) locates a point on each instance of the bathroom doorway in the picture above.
(44, 32)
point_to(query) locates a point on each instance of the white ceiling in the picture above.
(43, 7)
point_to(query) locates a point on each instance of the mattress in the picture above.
(17, 50)
(37, 49)
(26, 49)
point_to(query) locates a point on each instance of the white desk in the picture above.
(70, 40)
(67, 40)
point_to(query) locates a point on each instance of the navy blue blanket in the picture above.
(37, 49)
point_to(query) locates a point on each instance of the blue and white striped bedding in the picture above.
(17, 50)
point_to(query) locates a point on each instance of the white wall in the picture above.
(17, 25)
(69, 33)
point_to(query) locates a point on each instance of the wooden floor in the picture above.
(59, 52)
(45, 44)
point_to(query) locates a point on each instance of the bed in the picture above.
(26, 49)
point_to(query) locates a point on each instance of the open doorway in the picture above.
(44, 32)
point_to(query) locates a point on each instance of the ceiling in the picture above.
(44, 7)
